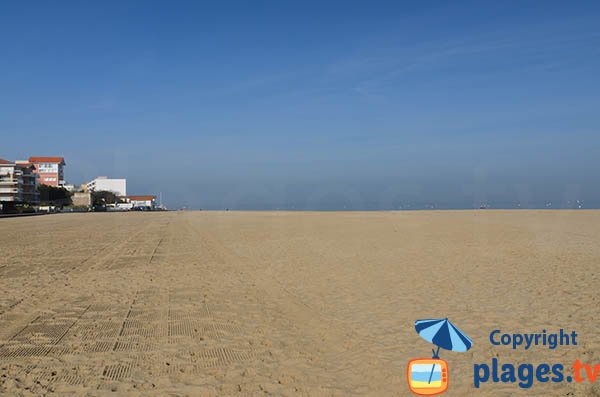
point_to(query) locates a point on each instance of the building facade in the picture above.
(18, 183)
(82, 199)
(142, 201)
(102, 183)
(50, 170)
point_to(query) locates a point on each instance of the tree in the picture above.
(103, 197)
(52, 195)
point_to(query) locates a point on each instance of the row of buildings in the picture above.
(19, 182)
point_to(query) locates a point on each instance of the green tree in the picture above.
(103, 197)
(51, 195)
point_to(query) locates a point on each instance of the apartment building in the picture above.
(18, 182)
(49, 169)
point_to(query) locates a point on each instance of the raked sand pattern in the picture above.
(276, 303)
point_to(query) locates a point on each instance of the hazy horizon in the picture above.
(311, 106)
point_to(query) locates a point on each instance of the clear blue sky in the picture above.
(310, 104)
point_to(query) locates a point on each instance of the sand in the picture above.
(279, 303)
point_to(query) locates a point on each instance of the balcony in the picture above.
(8, 182)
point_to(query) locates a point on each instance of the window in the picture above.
(48, 167)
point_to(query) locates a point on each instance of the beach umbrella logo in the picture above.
(430, 376)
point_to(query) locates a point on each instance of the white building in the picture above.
(142, 201)
(102, 183)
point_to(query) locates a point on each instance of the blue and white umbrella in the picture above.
(442, 333)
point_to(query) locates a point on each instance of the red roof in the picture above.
(2, 161)
(58, 160)
(141, 198)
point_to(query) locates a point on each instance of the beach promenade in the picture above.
(286, 303)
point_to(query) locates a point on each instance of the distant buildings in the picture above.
(49, 169)
(102, 183)
(20, 180)
(142, 201)
(18, 183)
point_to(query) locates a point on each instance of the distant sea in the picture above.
(403, 207)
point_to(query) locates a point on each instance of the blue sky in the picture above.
(353, 105)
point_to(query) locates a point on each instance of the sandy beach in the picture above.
(284, 303)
